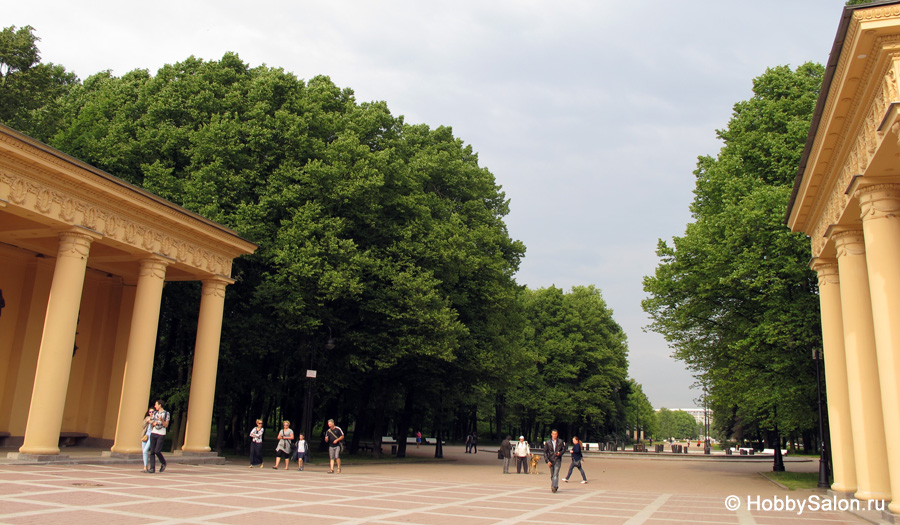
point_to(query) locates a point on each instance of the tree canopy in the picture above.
(26, 84)
(734, 296)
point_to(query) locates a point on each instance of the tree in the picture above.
(734, 296)
(386, 235)
(27, 85)
(639, 412)
(575, 362)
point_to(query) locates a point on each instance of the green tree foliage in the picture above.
(388, 236)
(734, 296)
(676, 424)
(27, 85)
(639, 413)
(575, 363)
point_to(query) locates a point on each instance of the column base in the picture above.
(21, 456)
(841, 494)
(867, 495)
(892, 513)
(121, 455)
(195, 454)
(197, 450)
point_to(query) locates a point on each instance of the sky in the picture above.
(590, 114)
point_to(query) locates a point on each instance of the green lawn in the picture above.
(795, 480)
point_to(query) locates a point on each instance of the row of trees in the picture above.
(734, 296)
(384, 237)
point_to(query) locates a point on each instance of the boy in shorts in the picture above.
(302, 452)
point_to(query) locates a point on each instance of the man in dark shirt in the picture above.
(554, 449)
(506, 453)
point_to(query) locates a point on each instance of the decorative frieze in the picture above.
(127, 228)
(868, 137)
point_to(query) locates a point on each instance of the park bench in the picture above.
(71, 439)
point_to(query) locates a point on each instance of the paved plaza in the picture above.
(463, 489)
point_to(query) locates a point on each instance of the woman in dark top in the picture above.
(576, 460)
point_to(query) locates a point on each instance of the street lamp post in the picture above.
(823, 459)
(706, 449)
(310, 390)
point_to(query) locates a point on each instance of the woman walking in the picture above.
(283, 450)
(256, 437)
(576, 460)
(145, 439)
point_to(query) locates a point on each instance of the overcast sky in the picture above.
(590, 114)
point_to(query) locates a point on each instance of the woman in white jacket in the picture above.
(523, 451)
(145, 438)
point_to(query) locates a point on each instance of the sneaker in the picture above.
(553, 490)
(583, 482)
(150, 471)
(162, 468)
(565, 480)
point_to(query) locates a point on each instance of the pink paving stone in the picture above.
(171, 509)
(14, 507)
(80, 498)
(238, 502)
(599, 520)
(155, 493)
(440, 519)
(606, 511)
(387, 505)
(335, 511)
(74, 517)
(694, 517)
(477, 511)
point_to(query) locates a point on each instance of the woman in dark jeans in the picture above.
(256, 439)
(576, 460)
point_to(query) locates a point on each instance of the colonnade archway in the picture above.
(83, 260)
(847, 199)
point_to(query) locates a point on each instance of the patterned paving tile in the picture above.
(227, 494)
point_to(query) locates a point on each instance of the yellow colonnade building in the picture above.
(847, 199)
(83, 260)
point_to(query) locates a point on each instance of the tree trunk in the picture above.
(403, 423)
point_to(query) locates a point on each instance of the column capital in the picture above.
(879, 201)
(849, 242)
(826, 269)
(74, 243)
(216, 286)
(153, 267)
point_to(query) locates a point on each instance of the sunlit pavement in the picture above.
(465, 489)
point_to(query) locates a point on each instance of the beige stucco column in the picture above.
(51, 378)
(880, 205)
(139, 358)
(840, 426)
(862, 368)
(206, 361)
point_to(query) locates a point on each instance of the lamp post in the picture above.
(823, 459)
(706, 449)
(310, 390)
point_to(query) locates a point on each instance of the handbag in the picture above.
(144, 438)
(499, 455)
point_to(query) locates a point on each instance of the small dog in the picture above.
(535, 460)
